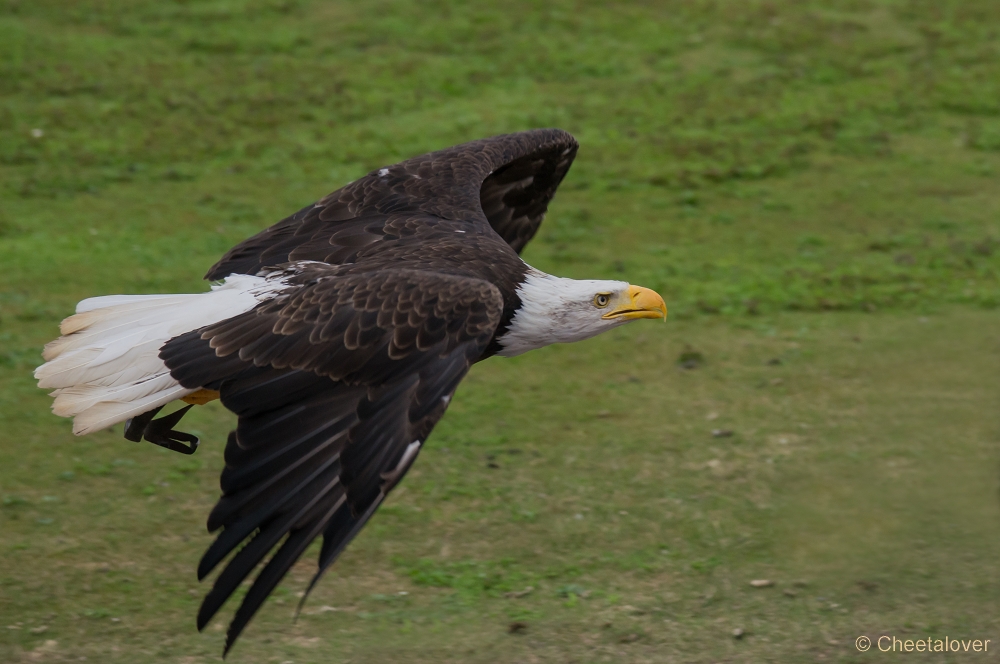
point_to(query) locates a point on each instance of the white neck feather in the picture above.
(555, 310)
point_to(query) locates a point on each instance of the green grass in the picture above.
(812, 182)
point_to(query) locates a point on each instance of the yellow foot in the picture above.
(201, 397)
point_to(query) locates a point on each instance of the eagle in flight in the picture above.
(338, 337)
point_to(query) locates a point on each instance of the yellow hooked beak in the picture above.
(640, 303)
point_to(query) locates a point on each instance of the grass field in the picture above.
(814, 187)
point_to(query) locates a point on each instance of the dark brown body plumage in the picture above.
(414, 278)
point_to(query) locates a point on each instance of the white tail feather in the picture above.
(106, 367)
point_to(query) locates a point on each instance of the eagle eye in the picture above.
(602, 300)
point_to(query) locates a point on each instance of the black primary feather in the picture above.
(318, 439)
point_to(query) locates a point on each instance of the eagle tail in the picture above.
(105, 368)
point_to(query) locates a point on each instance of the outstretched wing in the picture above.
(515, 196)
(337, 383)
(506, 181)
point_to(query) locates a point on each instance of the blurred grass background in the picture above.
(812, 185)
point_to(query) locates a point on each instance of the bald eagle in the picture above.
(338, 337)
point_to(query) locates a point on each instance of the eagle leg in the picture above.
(134, 426)
(161, 431)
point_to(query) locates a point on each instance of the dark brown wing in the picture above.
(515, 196)
(505, 181)
(337, 384)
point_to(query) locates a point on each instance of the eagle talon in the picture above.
(161, 431)
(174, 440)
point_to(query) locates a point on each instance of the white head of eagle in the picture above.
(560, 310)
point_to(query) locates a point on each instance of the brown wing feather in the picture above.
(514, 198)
(505, 182)
(355, 328)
